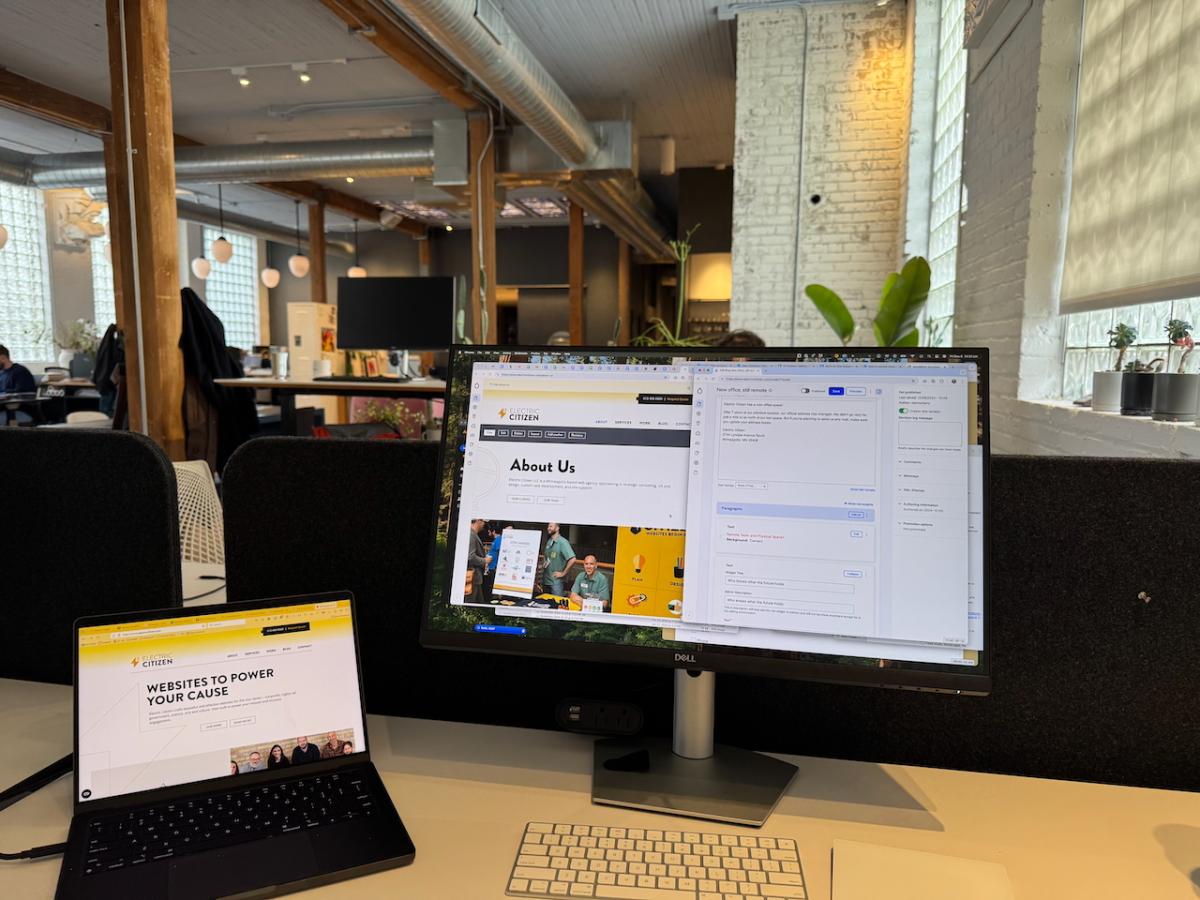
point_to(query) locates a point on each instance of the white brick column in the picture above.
(819, 169)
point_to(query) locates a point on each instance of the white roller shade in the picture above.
(1134, 229)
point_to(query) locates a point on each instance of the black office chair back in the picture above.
(91, 526)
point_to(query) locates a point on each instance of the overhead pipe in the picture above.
(245, 163)
(499, 59)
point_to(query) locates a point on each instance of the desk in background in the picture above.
(466, 791)
(286, 391)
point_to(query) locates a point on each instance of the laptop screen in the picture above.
(204, 695)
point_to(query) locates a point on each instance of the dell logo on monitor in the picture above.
(685, 657)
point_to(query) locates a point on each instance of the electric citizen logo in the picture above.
(151, 661)
(685, 657)
(524, 414)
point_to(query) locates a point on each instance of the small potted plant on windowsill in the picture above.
(1177, 394)
(1137, 387)
(1106, 386)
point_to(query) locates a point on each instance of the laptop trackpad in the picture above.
(234, 870)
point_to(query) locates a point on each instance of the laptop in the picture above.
(222, 751)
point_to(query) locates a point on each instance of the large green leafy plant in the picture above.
(900, 304)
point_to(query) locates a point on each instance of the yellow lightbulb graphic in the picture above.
(638, 562)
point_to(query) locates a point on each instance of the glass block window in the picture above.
(946, 199)
(25, 317)
(231, 290)
(104, 300)
(1087, 349)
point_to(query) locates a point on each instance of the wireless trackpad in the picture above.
(235, 870)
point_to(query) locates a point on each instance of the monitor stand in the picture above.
(398, 360)
(689, 775)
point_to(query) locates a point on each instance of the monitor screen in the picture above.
(203, 695)
(793, 513)
(399, 313)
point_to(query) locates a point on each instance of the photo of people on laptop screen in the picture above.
(293, 751)
(623, 570)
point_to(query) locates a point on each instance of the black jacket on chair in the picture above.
(205, 358)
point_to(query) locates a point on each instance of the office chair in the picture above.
(201, 529)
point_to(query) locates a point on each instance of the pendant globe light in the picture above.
(3, 236)
(222, 250)
(270, 277)
(201, 267)
(356, 271)
(298, 264)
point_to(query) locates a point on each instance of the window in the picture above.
(1087, 349)
(104, 301)
(1133, 235)
(946, 199)
(25, 321)
(232, 289)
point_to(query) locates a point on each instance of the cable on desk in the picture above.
(220, 587)
(36, 852)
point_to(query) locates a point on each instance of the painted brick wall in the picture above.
(852, 120)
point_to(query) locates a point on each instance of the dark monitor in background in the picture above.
(833, 503)
(401, 313)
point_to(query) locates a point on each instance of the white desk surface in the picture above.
(465, 792)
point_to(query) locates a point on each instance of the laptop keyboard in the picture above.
(219, 820)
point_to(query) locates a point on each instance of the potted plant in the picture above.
(1106, 385)
(78, 347)
(660, 334)
(1177, 394)
(394, 414)
(1137, 387)
(900, 304)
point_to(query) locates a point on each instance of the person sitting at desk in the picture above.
(305, 752)
(14, 377)
(591, 584)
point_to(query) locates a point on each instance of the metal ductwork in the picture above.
(241, 163)
(491, 52)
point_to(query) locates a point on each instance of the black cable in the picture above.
(23, 789)
(36, 852)
(220, 587)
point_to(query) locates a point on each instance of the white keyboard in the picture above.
(558, 860)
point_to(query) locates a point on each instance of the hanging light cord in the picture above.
(356, 242)
(221, 210)
(297, 202)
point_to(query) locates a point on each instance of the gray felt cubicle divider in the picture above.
(1091, 682)
(91, 526)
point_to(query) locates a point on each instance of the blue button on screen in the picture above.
(837, 392)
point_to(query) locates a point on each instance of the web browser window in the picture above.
(830, 500)
(574, 492)
(185, 699)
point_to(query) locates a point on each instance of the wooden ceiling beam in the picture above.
(385, 31)
(52, 105)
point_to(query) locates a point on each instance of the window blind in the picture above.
(1133, 233)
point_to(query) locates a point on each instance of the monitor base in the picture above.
(732, 785)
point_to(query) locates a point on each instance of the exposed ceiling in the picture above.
(669, 62)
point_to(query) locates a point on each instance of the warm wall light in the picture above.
(449, 227)
(349, 179)
(201, 267)
(270, 277)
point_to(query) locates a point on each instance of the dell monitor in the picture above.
(395, 313)
(804, 513)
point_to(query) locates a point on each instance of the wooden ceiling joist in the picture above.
(386, 31)
(20, 93)
(60, 108)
